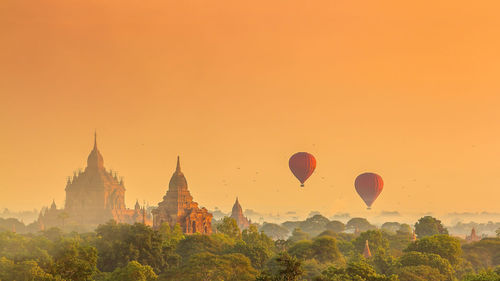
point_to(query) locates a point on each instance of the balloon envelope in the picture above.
(302, 165)
(369, 186)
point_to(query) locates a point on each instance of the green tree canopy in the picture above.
(298, 235)
(360, 223)
(443, 245)
(198, 243)
(119, 244)
(375, 239)
(73, 261)
(355, 271)
(134, 271)
(428, 259)
(428, 226)
(209, 267)
(391, 227)
(420, 273)
(229, 227)
(274, 231)
(335, 226)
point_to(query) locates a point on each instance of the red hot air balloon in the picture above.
(369, 186)
(302, 165)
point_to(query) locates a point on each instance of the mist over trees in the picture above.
(316, 249)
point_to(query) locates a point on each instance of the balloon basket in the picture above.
(302, 185)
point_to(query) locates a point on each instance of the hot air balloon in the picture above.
(369, 186)
(302, 165)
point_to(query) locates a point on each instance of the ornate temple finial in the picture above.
(95, 139)
(178, 168)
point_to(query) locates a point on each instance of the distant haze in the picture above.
(407, 90)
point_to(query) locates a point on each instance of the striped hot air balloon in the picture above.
(302, 165)
(369, 186)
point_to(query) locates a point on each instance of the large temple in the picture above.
(93, 197)
(178, 207)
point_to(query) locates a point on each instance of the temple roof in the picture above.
(237, 208)
(177, 181)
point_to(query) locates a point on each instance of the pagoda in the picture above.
(366, 252)
(178, 207)
(237, 215)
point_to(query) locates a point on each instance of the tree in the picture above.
(258, 247)
(134, 271)
(416, 259)
(302, 250)
(170, 237)
(335, 226)
(443, 245)
(210, 267)
(383, 262)
(199, 243)
(428, 226)
(314, 225)
(355, 271)
(119, 244)
(391, 227)
(325, 250)
(288, 268)
(26, 270)
(298, 235)
(360, 223)
(229, 226)
(420, 273)
(274, 231)
(405, 228)
(75, 262)
(488, 275)
(375, 239)
(482, 254)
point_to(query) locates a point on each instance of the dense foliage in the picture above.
(315, 250)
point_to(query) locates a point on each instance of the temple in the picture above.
(366, 252)
(237, 214)
(473, 237)
(94, 196)
(178, 207)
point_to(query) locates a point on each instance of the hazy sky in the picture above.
(409, 90)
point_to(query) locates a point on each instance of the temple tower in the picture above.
(366, 252)
(95, 195)
(178, 207)
(237, 215)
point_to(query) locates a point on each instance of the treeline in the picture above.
(138, 253)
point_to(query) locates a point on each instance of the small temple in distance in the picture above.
(473, 237)
(178, 207)
(237, 214)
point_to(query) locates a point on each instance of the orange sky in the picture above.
(407, 90)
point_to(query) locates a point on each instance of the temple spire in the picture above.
(178, 168)
(95, 139)
(366, 253)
